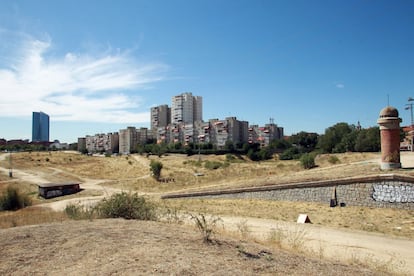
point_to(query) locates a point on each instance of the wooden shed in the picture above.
(49, 190)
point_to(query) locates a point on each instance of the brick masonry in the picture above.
(382, 191)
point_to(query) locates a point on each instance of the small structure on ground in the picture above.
(389, 123)
(49, 190)
(303, 218)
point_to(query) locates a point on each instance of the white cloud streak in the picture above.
(74, 87)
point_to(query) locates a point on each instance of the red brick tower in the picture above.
(390, 138)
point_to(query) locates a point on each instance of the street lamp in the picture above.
(409, 106)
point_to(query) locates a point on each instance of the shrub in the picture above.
(333, 159)
(156, 167)
(307, 160)
(127, 206)
(213, 165)
(230, 157)
(14, 200)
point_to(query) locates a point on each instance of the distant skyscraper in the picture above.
(186, 109)
(40, 127)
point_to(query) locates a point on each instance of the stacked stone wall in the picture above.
(383, 192)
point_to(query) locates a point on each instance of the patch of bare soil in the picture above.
(121, 247)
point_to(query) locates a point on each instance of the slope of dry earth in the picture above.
(120, 247)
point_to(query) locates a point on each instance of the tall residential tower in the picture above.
(160, 116)
(186, 108)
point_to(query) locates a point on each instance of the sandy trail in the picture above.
(86, 184)
(337, 244)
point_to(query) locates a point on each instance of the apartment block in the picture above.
(105, 143)
(82, 144)
(219, 133)
(186, 108)
(127, 140)
(264, 135)
(183, 123)
(143, 135)
(202, 132)
(160, 116)
(238, 130)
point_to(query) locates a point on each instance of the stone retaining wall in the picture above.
(390, 191)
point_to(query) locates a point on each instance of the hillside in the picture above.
(121, 247)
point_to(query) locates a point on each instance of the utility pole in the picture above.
(10, 165)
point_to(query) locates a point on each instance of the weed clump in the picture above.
(13, 200)
(333, 159)
(206, 225)
(79, 212)
(214, 165)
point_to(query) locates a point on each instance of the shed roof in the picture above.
(47, 185)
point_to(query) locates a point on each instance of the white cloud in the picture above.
(340, 85)
(75, 86)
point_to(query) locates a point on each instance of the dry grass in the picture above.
(132, 173)
(30, 216)
(72, 165)
(392, 222)
(121, 247)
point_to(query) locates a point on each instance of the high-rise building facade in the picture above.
(198, 109)
(127, 140)
(186, 108)
(160, 116)
(40, 127)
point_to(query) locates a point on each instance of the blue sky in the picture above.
(98, 66)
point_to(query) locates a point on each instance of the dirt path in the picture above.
(337, 244)
(87, 184)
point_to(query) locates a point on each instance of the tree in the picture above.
(229, 146)
(253, 155)
(368, 140)
(289, 154)
(155, 168)
(335, 138)
(304, 141)
(279, 145)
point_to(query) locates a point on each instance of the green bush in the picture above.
(14, 200)
(128, 206)
(155, 168)
(333, 159)
(213, 165)
(230, 157)
(307, 160)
